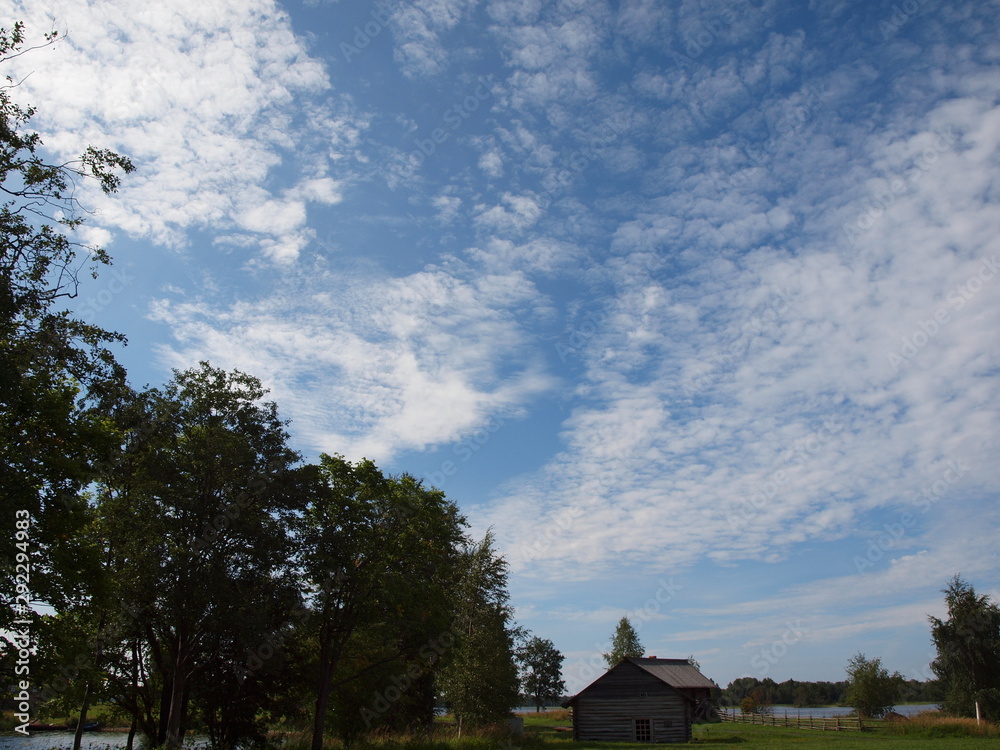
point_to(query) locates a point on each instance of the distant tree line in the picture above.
(806, 694)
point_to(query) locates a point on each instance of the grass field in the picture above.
(546, 731)
(932, 731)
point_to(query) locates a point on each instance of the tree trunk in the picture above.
(184, 708)
(131, 733)
(174, 736)
(78, 736)
(135, 695)
(322, 701)
(161, 724)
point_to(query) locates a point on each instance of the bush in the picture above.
(871, 690)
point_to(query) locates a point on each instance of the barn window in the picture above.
(643, 730)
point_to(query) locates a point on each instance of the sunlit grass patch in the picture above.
(935, 724)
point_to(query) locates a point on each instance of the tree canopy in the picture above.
(541, 667)
(624, 643)
(968, 651)
(58, 376)
(871, 690)
(480, 681)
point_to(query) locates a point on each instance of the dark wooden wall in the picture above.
(606, 710)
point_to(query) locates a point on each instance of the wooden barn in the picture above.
(642, 700)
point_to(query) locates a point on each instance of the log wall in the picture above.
(606, 711)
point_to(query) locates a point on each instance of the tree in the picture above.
(200, 504)
(58, 377)
(757, 702)
(480, 681)
(624, 644)
(968, 651)
(541, 667)
(376, 555)
(871, 690)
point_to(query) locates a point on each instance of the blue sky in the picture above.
(694, 303)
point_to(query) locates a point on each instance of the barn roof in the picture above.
(678, 673)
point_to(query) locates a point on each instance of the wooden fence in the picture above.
(826, 723)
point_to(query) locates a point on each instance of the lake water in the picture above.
(830, 711)
(91, 741)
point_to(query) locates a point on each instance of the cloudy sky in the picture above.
(695, 303)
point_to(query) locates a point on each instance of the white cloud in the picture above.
(202, 98)
(551, 58)
(741, 395)
(448, 207)
(520, 213)
(411, 363)
(419, 28)
(492, 163)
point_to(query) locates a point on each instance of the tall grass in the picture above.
(561, 715)
(936, 724)
(441, 737)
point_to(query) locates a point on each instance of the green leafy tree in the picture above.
(541, 668)
(377, 555)
(968, 651)
(200, 503)
(58, 376)
(624, 643)
(77, 644)
(871, 690)
(757, 702)
(480, 681)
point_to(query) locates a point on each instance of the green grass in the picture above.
(928, 733)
